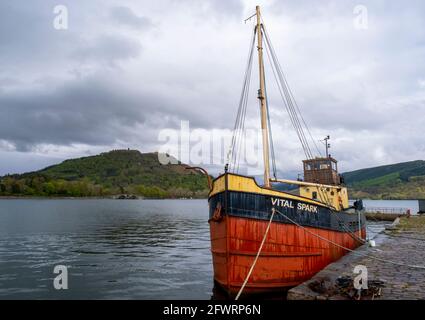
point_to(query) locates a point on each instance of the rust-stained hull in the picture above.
(291, 254)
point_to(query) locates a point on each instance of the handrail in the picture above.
(303, 183)
(389, 210)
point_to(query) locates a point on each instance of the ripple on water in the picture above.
(114, 249)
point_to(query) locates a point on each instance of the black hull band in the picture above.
(259, 206)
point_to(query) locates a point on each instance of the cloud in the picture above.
(120, 74)
(93, 111)
(126, 16)
(108, 49)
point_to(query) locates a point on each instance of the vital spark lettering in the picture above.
(289, 204)
(282, 203)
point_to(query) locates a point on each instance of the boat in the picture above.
(264, 239)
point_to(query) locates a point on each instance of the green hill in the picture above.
(107, 174)
(397, 181)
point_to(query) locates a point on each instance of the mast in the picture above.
(262, 98)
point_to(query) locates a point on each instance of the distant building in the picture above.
(421, 206)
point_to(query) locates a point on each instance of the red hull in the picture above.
(289, 256)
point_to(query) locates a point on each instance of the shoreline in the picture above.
(392, 275)
(88, 198)
(114, 197)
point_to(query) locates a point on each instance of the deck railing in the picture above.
(387, 210)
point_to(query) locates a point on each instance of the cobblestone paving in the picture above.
(405, 245)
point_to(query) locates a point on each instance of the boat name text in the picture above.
(289, 204)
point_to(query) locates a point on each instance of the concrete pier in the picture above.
(405, 245)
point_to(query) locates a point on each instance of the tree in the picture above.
(49, 188)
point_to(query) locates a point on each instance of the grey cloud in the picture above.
(27, 34)
(215, 9)
(80, 112)
(97, 110)
(29, 41)
(9, 81)
(101, 84)
(108, 49)
(126, 16)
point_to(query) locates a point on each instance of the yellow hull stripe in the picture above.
(248, 184)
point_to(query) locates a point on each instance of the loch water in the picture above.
(113, 249)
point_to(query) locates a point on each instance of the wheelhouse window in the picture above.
(324, 165)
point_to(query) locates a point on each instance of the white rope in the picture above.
(256, 258)
(348, 249)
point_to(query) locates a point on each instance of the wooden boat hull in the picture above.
(290, 255)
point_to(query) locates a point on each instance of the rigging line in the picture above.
(295, 115)
(270, 132)
(238, 117)
(289, 88)
(239, 128)
(271, 142)
(280, 90)
(242, 136)
(302, 118)
(290, 113)
(240, 120)
(287, 100)
(322, 189)
(293, 102)
(288, 96)
(348, 249)
(241, 98)
(323, 196)
(243, 115)
(300, 113)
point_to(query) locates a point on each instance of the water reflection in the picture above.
(140, 249)
(114, 249)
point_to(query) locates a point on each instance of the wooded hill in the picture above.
(111, 173)
(396, 181)
(131, 172)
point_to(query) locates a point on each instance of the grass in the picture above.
(414, 223)
(398, 181)
(389, 179)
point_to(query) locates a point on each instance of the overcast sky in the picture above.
(124, 70)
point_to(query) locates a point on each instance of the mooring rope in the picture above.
(256, 257)
(348, 249)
